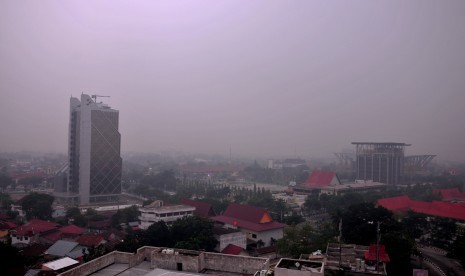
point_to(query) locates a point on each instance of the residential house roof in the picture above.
(53, 236)
(403, 204)
(60, 264)
(320, 178)
(61, 247)
(90, 240)
(72, 230)
(35, 226)
(6, 225)
(202, 209)
(232, 249)
(248, 217)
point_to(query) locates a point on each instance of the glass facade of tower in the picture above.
(105, 161)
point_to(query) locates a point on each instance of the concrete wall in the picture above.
(236, 264)
(91, 267)
(190, 263)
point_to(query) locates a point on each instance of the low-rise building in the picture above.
(255, 222)
(156, 212)
(226, 237)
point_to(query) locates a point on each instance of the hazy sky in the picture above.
(262, 77)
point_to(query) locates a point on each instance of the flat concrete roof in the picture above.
(143, 269)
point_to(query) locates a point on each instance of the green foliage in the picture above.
(299, 240)
(162, 181)
(457, 250)
(38, 205)
(11, 262)
(31, 181)
(5, 181)
(93, 252)
(188, 233)
(75, 214)
(124, 216)
(359, 226)
(5, 201)
(193, 233)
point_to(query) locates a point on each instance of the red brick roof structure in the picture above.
(35, 226)
(403, 204)
(232, 249)
(248, 217)
(202, 209)
(90, 240)
(72, 230)
(319, 179)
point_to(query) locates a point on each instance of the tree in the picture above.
(458, 249)
(298, 240)
(5, 201)
(5, 181)
(193, 233)
(38, 205)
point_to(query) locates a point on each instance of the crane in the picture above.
(100, 96)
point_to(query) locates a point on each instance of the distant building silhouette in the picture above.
(380, 162)
(94, 168)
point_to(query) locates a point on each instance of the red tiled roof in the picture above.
(71, 229)
(7, 225)
(395, 204)
(450, 194)
(4, 216)
(90, 240)
(202, 209)
(371, 253)
(232, 249)
(248, 217)
(35, 226)
(403, 204)
(319, 179)
(53, 237)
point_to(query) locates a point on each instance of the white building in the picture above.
(156, 212)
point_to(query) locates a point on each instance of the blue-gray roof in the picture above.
(61, 248)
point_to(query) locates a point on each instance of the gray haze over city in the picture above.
(262, 78)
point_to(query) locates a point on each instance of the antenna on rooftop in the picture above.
(100, 96)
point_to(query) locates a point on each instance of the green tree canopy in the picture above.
(38, 205)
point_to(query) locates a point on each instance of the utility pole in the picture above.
(377, 245)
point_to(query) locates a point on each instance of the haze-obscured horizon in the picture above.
(262, 78)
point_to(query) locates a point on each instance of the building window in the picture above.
(254, 236)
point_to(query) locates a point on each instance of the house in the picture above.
(317, 180)
(59, 265)
(62, 248)
(226, 237)
(402, 204)
(156, 212)
(202, 209)
(91, 240)
(71, 231)
(32, 231)
(255, 222)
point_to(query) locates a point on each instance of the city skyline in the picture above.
(260, 78)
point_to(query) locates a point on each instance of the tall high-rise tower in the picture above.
(94, 168)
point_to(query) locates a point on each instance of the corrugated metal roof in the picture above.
(60, 263)
(61, 248)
